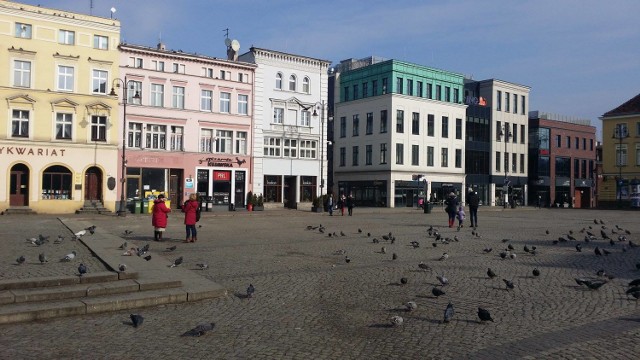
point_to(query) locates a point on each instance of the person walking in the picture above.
(474, 201)
(451, 208)
(330, 204)
(350, 204)
(341, 203)
(189, 209)
(159, 217)
(460, 215)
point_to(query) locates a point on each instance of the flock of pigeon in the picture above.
(508, 253)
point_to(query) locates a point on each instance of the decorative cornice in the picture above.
(21, 51)
(66, 57)
(101, 62)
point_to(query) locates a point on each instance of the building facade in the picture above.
(398, 132)
(562, 161)
(289, 132)
(621, 155)
(188, 125)
(59, 132)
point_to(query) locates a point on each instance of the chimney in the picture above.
(161, 46)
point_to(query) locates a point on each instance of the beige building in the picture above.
(59, 133)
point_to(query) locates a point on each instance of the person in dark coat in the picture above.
(189, 209)
(474, 201)
(351, 202)
(451, 208)
(159, 216)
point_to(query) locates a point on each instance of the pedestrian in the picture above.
(539, 202)
(474, 201)
(341, 203)
(189, 209)
(159, 217)
(451, 207)
(460, 216)
(330, 204)
(351, 202)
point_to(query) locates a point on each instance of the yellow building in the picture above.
(59, 127)
(621, 155)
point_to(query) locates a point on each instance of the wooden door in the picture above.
(577, 198)
(19, 186)
(93, 184)
(175, 187)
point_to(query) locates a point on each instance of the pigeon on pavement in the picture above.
(423, 266)
(437, 292)
(69, 257)
(442, 279)
(490, 273)
(250, 290)
(200, 330)
(448, 313)
(122, 267)
(43, 258)
(176, 262)
(397, 320)
(82, 269)
(536, 272)
(484, 315)
(202, 266)
(411, 305)
(171, 248)
(136, 319)
(21, 260)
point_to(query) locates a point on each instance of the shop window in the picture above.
(307, 188)
(272, 188)
(56, 183)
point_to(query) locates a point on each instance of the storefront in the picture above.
(407, 193)
(222, 187)
(440, 191)
(366, 193)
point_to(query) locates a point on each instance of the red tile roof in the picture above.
(628, 108)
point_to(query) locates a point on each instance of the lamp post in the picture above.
(322, 145)
(125, 84)
(505, 189)
(620, 132)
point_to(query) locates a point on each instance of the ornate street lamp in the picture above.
(505, 189)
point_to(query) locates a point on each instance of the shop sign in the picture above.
(272, 182)
(188, 183)
(215, 161)
(472, 100)
(221, 175)
(25, 150)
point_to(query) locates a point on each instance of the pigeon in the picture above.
(148, 257)
(547, 232)
(342, 233)
(605, 236)
(423, 266)
(59, 240)
(43, 239)
(368, 234)
(444, 256)
(509, 284)
(394, 256)
(122, 267)
(491, 274)
(359, 231)
(43, 258)
(581, 281)
(383, 250)
(484, 315)
(503, 254)
(397, 320)
(632, 290)
(570, 237)
(414, 244)
(526, 249)
(82, 269)
(595, 285)
(171, 248)
(512, 255)
(487, 250)
(127, 232)
(601, 222)
(536, 272)
(579, 247)
(635, 282)
(404, 281)
(375, 241)
(448, 313)
(597, 251)
(200, 330)
(123, 246)
(411, 305)
(143, 250)
(250, 290)
(21, 260)
(347, 259)
(136, 319)
(202, 266)
(442, 279)
(80, 233)
(340, 252)
(437, 292)
(595, 221)
(69, 256)
(510, 247)
(91, 229)
(385, 237)
(176, 262)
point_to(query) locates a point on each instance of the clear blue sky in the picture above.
(580, 57)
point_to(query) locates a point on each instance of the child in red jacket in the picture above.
(159, 217)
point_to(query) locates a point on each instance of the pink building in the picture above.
(188, 125)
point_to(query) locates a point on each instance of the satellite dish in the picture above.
(235, 45)
(227, 42)
(113, 9)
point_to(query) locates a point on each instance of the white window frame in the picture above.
(272, 147)
(206, 100)
(305, 118)
(278, 115)
(157, 95)
(22, 73)
(279, 81)
(621, 155)
(206, 140)
(308, 149)
(290, 148)
(158, 65)
(241, 142)
(156, 137)
(134, 135)
(20, 123)
(64, 125)
(178, 97)
(306, 85)
(23, 30)
(177, 138)
(66, 37)
(99, 123)
(66, 79)
(133, 88)
(224, 142)
(100, 42)
(293, 83)
(243, 104)
(99, 79)
(225, 102)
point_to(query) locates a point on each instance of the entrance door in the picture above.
(93, 184)
(290, 192)
(175, 187)
(19, 185)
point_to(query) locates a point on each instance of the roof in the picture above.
(630, 107)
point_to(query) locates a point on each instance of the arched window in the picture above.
(56, 183)
(305, 85)
(292, 83)
(279, 81)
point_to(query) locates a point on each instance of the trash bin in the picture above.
(427, 207)
(232, 207)
(137, 206)
(145, 206)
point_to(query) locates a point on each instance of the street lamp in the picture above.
(620, 132)
(125, 84)
(322, 144)
(505, 189)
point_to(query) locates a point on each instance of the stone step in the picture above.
(19, 211)
(53, 281)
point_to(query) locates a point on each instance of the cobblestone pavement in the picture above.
(310, 304)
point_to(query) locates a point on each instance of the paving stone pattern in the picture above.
(310, 304)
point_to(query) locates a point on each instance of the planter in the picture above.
(316, 209)
(249, 207)
(258, 208)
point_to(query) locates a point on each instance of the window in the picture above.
(176, 68)
(178, 97)
(499, 100)
(308, 149)
(459, 129)
(400, 121)
(558, 141)
(279, 81)
(544, 166)
(419, 88)
(225, 75)
(456, 96)
(134, 135)
(506, 102)
(305, 118)
(621, 154)
(136, 62)
(522, 103)
(176, 138)
(157, 65)
(343, 126)
(369, 125)
(224, 142)
(272, 189)
(568, 142)
(498, 161)
(577, 143)
(100, 42)
(584, 143)
(506, 161)
(22, 73)
(522, 134)
(99, 82)
(447, 94)
(415, 123)
(430, 152)
(346, 93)
(399, 154)
(65, 78)
(399, 84)
(98, 128)
(514, 133)
(56, 183)
(384, 86)
(590, 144)
(410, 87)
(368, 155)
(272, 146)
(438, 92)
(507, 129)
(498, 131)
(515, 103)
(278, 115)
(225, 102)
(638, 154)
(157, 95)
(64, 122)
(20, 123)
(521, 163)
(383, 121)
(514, 163)
(383, 153)
(243, 104)
(444, 161)
(431, 125)
(241, 142)
(305, 85)
(355, 92)
(343, 156)
(356, 125)
(66, 37)
(429, 91)
(243, 77)
(415, 155)
(445, 127)
(563, 167)
(135, 87)
(576, 168)
(374, 88)
(292, 83)
(365, 89)
(583, 169)
(206, 140)
(156, 137)
(355, 154)
(206, 100)
(458, 159)
(23, 30)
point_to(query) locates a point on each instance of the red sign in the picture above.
(221, 175)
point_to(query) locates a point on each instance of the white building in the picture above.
(289, 141)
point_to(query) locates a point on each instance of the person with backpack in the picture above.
(451, 208)
(159, 216)
(191, 209)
